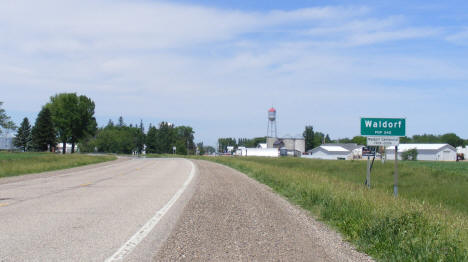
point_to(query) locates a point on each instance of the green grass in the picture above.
(13, 164)
(427, 222)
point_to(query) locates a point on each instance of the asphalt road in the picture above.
(89, 214)
(157, 210)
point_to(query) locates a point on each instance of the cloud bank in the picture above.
(219, 69)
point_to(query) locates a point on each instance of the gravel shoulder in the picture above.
(232, 217)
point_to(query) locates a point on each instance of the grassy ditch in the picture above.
(427, 222)
(13, 164)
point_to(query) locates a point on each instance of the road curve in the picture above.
(90, 213)
(234, 218)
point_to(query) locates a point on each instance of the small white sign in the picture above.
(383, 140)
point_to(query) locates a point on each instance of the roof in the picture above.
(348, 146)
(335, 148)
(330, 149)
(272, 110)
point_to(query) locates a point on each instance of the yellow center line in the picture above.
(86, 184)
(3, 204)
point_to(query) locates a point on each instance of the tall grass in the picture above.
(427, 222)
(13, 164)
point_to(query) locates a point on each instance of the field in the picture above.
(427, 222)
(13, 164)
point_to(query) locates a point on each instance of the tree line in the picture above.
(66, 118)
(223, 143)
(69, 118)
(132, 139)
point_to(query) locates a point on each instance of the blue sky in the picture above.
(219, 65)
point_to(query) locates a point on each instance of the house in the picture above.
(428, 152)
(333, 151)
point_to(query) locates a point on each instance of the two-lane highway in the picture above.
(157, 210)
(105, 212)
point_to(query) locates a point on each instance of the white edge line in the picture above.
(128, 247)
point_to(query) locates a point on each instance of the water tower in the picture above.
(271, 130)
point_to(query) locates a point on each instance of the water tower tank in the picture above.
(272, 114)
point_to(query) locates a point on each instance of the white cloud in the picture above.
(160, 60)
(460, 38)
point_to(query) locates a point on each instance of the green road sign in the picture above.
(383, 126)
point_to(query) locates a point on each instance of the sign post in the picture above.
(395, 177)
(368, 151)
(384, 132)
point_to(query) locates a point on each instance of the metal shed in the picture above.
(331, 152)
(428, 152)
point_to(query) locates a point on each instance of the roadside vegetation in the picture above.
(427, 222)
(13, 164)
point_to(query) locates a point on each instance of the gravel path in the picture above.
(231, 217)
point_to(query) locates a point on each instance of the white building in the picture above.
(331, 152)
(68, 148)
(462, 150)
(267, 152)
(428, 152)
(335, 151)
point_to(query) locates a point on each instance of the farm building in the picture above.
(429, 152)
(333, 151)
(259, 151)
(289, 144)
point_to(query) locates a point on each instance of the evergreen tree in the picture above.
(140, 137)
(43, 132)
(152, 141)
(23, 137)
(309, 138)
(121, 122)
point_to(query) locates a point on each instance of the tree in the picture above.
(73, 117)
(152, 141)
(319, 138)
(43, 133)
(23, 137)
(3, 117)
(360, 140)
(166, 138)
(185, 139)
(411, 154)
(63, 108)
(121, 122)
(85, 124)
(140, 137)
(452, 139)
(201, 148)
(405, 140)
(223, 143)
(308, 135)
(210, 150)
(5, 121)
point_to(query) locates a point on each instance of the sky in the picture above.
(218, 66)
